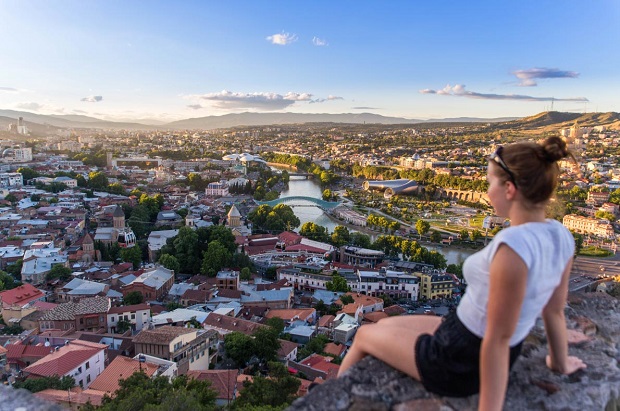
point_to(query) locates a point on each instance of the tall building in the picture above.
(21, 127)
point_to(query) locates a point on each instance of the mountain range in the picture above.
(47, 124)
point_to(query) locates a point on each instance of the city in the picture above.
(175, 249)
(243, 206)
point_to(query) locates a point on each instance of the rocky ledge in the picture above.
(594, 329)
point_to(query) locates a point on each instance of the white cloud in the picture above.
(365, 108)
(257, 101)
(282, 39)
(9, 90)
(194, 106)
(458, 90)
(528, 77)
(330, 97)
(92, 99)
(319, 42)
(31, 105)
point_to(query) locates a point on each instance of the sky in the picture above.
(170, 60)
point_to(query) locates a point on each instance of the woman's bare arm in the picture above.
(555, 326)
(508, 279)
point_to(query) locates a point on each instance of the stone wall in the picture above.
(374, 386)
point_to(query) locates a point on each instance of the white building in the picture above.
(138, 315)
(11, 180)
(217, 189)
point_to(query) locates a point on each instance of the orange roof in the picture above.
(20, 295)
(223, 381)
(120, 368)
(334, 349)
(75, 396)
(292, 314)
(65, 359)
(375, 316)
(326, 320)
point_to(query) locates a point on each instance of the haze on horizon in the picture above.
(131, 60)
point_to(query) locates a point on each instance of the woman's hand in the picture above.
(571, 365)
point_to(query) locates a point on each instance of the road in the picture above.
(586, 270)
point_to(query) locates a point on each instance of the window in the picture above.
(133, 316)
(87, 364)
(112, 319)
(79, 370)
(88, 379)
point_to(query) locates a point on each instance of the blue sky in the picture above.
(169, 60)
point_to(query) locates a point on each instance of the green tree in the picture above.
(463, 234)
(245, 274)
(28, 173)
(341, 236)
(422, 227)
(215, 258)
(346, 299)
(7, 281)
(132, 255)
(170, 262)
(337, 284)
(186, 250)
(97, 180)
(239, 347)
(58, 271)
(266, 343)
(314, 231)
(279, 390)
(276, 323)
(360, 240)
(39, 384)
(605, 215)
(475, 235)
(133, 298)
(327, 194)
(436, 236)
(123, 326)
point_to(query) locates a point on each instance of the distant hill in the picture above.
(264, 119)
(45, 124)
(553, 120)
(70, 121)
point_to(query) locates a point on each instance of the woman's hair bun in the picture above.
(554, 149)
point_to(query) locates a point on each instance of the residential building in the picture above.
(153, 284)
(138, 315)
(361, 257)
(82, 360)
(38, 262)
(435, 285)
(586, 225)
(89, 314)
(11, 180)
(219, 189)
(189, 348)
(17, 303)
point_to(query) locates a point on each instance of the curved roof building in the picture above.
(392, 187)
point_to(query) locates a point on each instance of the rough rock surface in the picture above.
(22, 400)
(374, 386)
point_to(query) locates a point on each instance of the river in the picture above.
(299, 186)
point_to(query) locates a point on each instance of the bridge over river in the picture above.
(325, 205)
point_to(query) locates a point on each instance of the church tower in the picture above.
(234, 217)
(118, 218)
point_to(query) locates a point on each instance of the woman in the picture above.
(522, 273)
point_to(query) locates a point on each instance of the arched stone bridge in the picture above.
(465, 195)
(326, 205)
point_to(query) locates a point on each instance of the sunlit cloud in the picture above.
(329, 98)
(92, 99)
(458, 90)
(31, 105)
(257, 101)
(528, 77)
(194, 106)
(282, 39)
(319, 42)
(365, 108)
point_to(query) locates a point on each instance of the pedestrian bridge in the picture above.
(325, 205)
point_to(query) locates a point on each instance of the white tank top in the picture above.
(545, 248)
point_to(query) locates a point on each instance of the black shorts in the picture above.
(449, 360)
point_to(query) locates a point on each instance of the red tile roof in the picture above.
(225, 322)
(20, 295)
(223, 381)
(65, 359)
(76, 396)
(128, 308)
(120, 368)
